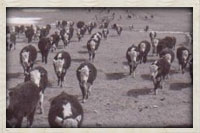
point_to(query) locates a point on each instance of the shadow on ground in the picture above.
(83, 52)
(146, 77)
(138, 92)
(79, 60)
(13, 75)
(115, 76)
(180, 86)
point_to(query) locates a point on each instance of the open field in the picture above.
(117, 99)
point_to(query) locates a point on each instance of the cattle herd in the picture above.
(65, 109)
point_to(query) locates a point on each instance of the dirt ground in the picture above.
(117, 99)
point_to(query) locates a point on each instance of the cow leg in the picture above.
(88, 90)
(133, 74)
(19, 122)
(90, 56)
(30, 118)
(93, 56)
(58, 81)
(41, 103)
(83, 92)
(131, 70)
(42, 58)
(45, 59)
(145, 59)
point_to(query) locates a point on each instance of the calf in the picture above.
(132, 56)
(159, 70)
(143, 48)
(44, 46)
(105, 33)
(92, 46)
(40, 76)
(117, 28)
(22, 102)
(28, 56)
(65, 111)
(86, 74)
(61, 63)
(182, 55)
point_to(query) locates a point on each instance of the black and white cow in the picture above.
(61, 63)
(38, 75)
(28, 56)
(182, 55)
(92, 46)
(22, 102)
(159, 70)
(55, 40)
(143, 48)
(105, 32)
(81, 32)
(86, 74)
(132, 56)
(91, 26)
(44, 46)
(152, 35)
(117, 28)
(65, 111)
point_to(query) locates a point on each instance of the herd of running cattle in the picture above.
(65, 110)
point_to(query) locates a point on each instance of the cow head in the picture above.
(92, 45)
(84, 74)
(153, 71)
(142, 47)
(185, 57)
(25, 60)
(36, 76)
(134, 58)
(58, 65)
(168, 57)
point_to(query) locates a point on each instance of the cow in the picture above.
(143, 48)
(182, 55)
(168, 54)
(65, 111)
(29, 33)
(11, 40)
(86, 74)
(97, 36)
(132, 56)
(117, 28)
(55, 40)
(28, 55)
(40, 75)
(92, 46)
(167, 42)
(61, 63)
(105, 33)
(80, 24)
(44, 46)
(155, 42)
(22, 102)
(152, 36)
(159, 70)
(91, 26)
(81, 32)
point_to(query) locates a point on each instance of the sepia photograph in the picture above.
(99, 67)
